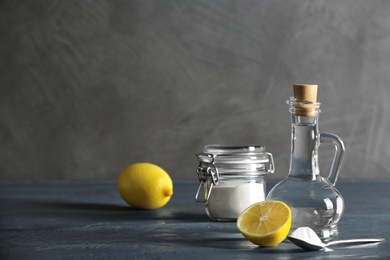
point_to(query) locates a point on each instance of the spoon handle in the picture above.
(357, 240)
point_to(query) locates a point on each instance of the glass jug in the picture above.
(314, 200)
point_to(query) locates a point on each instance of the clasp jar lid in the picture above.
(234, 161)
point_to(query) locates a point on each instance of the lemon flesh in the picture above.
(265, 223)
(145, 186)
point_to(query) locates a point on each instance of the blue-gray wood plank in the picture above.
(88, 220)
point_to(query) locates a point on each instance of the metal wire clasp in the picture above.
(203, 174)
(271, 164)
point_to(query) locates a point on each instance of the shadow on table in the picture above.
(242, 248)
(109, 211)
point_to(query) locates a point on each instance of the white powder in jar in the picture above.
(228, 201)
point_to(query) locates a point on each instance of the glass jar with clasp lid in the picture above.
(232, 178)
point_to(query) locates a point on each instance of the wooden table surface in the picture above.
(88, 220)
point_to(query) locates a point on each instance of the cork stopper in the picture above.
(306, 94)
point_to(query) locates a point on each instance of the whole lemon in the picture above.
(145, 186)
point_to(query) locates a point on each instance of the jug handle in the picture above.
(338, 156)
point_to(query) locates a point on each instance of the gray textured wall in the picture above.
(88, 87)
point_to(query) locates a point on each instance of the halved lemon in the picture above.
(265, 223)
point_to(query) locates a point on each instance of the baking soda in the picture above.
(228, 201)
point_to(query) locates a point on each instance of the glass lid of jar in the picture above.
(234, 154)
(233, 160)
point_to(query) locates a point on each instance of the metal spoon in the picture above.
(306, 238)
